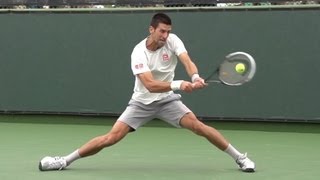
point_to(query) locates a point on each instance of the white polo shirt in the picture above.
(161, 63)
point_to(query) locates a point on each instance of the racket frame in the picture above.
(230, 58)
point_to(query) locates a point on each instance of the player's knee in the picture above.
(111, 139)
(198, 128)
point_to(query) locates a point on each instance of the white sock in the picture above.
(72, 157)
(233, 152)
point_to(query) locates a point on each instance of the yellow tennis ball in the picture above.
(240, 68)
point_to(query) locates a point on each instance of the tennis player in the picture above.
(153, 62)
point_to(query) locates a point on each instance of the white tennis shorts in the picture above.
(170, 109)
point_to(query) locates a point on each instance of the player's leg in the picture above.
(189, 121)
(118, 131)
(135, 115)
(177, 114)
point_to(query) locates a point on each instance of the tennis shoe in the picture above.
(245, 164)
(52, 163)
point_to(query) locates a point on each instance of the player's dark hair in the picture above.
(160, 18)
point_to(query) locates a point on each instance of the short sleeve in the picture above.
(139, 62)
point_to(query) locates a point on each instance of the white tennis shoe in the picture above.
(52, 163)
(245, 164)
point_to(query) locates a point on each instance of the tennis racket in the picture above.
(237, 69)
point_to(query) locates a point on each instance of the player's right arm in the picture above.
(153, 85)
(156, 86)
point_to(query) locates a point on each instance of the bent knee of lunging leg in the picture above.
(199, 129)
(111, 139)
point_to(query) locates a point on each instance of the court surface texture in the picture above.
(281, 151)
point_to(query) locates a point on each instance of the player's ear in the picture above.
(151, 29)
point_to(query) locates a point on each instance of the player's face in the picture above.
(160, 34)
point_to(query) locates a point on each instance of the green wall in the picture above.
(79, 62)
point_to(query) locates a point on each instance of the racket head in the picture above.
(227, 71)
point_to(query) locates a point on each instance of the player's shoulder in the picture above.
(142, 43)
(173, 39)
(141, 46)
(173, 36)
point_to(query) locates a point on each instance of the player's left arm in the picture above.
(191, 70)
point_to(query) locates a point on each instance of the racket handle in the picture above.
(213, 81)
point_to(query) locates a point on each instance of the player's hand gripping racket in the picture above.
(237, 69)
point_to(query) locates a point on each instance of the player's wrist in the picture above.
(176, 85)
(194, 77)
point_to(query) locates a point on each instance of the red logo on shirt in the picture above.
(165, 57)
(139, 66)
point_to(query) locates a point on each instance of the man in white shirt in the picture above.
(153, 62)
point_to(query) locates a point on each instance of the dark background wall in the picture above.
(80, 62)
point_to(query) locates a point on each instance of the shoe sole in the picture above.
(249, 170)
